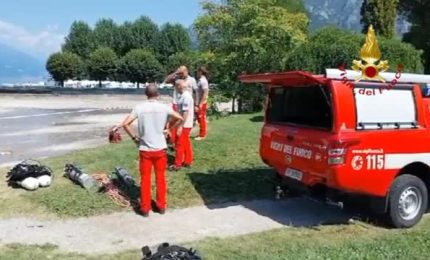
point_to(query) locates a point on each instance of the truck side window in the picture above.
(390, 110)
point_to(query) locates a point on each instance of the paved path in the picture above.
(126, 231)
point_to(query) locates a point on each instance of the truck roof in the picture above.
(306, 78)
(292, 77)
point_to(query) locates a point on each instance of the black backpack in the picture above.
(170, 252)
(25, 169)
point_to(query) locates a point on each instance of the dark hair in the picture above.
(203, 70)
(151, 90)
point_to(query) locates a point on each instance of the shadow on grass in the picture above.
(257, 119)
(254, 189)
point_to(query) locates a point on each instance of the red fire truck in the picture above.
(321, 132)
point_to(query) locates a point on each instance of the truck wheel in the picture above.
(407, 201)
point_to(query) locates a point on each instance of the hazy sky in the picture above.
(39, 26)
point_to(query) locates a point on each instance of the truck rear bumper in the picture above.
(319, 190)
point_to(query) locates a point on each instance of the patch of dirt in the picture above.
(128, 231)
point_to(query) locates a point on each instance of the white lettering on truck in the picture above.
(300, 152)
(288, 149)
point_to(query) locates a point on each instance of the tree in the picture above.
(320, 52)
(293, 6)
(105, 33)
(63, 66)
(145, 34)
(382, 14)
(102, 64)
(249, 36)
(418, 12)
(141, 66)
(80, 40)
(124, 39)
(174, 38)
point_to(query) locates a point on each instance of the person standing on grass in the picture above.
(152, 117)
(181, 73)
(184, 148)
(202, 94)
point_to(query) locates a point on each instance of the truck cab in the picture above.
(365, 138)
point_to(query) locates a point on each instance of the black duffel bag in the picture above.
(170, 252)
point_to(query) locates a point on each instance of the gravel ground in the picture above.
(39, 126)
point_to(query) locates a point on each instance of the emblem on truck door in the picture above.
(357, 162)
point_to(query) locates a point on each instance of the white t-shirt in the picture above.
(202, 85)
(192, 85)
(186, 103)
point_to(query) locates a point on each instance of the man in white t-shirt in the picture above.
(181, 73)
(184, 148)
(201, 104)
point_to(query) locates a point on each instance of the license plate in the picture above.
(294, 174)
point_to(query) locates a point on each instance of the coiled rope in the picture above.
(118, 196)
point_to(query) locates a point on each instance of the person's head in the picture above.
(181, 85)
(183, 72)
(151, 91)
(202, 71)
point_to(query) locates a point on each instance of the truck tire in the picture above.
(407, 201)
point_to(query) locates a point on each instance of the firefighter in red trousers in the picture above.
(181, 73)
(202, 93)
(184, 148)
(152, 117)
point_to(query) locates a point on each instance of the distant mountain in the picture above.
(16, 66)
(342, 13)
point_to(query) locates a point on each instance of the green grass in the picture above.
(227, 168)
(356, 241)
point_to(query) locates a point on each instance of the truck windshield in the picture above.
(307, 106)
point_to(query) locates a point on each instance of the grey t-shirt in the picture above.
(152, 117)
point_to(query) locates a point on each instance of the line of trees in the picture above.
(138, 51)
(237, 36)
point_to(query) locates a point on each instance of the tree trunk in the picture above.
(62, 83)
(233, 106)
(138, 85)
(100, 84)
(239, 105)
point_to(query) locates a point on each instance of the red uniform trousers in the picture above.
(184, 148)
(202, 119)
(173, 130)
(158, 159)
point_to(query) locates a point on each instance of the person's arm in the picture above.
(205, 87)
(170, 78)
(177, 119)
(126, 125)
(186, 106)
(181, 124)
(204, 99)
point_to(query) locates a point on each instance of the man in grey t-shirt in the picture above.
(152, 117)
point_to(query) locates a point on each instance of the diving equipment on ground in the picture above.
(173, 252)
(30, 174)
(78, 176)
